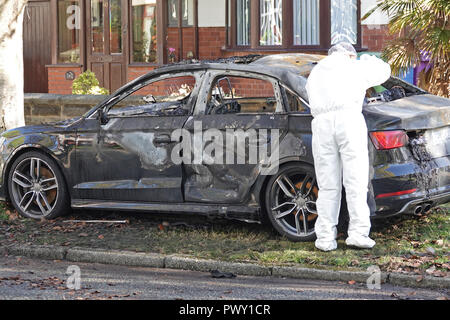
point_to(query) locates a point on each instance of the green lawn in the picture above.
(406, 244)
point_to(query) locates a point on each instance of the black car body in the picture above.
(119, 159)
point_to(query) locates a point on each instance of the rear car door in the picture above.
(127, 156)
(240, 116)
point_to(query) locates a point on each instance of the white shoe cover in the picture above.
(360, 242)
(326, 245)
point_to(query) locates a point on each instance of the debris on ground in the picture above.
(97, 221)
(219, 274)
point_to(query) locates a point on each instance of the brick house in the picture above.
(120, 40)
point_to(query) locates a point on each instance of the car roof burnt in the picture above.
(291, 69)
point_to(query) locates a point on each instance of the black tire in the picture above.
(36, 187)
(304, 209)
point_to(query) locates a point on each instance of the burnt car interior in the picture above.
(232, 94)
(294, 103)
(157, 99)
(391, 90)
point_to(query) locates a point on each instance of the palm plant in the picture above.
(421, 28)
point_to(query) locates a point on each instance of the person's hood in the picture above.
(335, 60)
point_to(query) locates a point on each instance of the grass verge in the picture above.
(417, 245)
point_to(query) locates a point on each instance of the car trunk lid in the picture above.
(418, 112)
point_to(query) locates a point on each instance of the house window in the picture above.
(187, 9)
(271, 22)
(290, 24)
(306, 22)
(69, 15)
(115, 25)
(344, 21)
(243, 22)
(97, 34)
(143, 14)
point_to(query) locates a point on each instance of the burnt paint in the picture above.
(416, 112)
(56, 140)
(121, 160)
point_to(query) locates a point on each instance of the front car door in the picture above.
(128, 156)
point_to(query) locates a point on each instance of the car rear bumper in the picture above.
(432, 201)
(415, 205)
(426, 186)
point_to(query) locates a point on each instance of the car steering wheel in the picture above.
(227, 107)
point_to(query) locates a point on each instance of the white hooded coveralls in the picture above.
(336, 90)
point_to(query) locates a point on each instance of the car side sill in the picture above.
(236, 212)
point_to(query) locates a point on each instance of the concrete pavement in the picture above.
(152, 260)
(25, 278)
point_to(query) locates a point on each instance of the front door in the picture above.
(129, 155)
(107, 41)
(36, 46)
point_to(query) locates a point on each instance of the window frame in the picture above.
(131, 61)
(288, 28)
(213, 74)
(233, 9)
(173, 23)
(54, 26)
(284, 90)
(196, 74)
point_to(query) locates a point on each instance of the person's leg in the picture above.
(352, 138)
(328, 168)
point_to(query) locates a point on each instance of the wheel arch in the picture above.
(261, 183)
(24, 149)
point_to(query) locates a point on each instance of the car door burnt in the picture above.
(231, 181)
(127, 157)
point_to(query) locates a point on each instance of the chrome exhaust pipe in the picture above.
(427, 208)
(418, 210)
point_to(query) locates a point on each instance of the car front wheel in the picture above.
(36, 186)
(290, 201)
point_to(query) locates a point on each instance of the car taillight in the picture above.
(384, 140)
(393, 194)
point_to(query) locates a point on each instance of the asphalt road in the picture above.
(23, 278)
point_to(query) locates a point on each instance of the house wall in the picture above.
(57, 82)
(206, 16)
(212, 41)
(374, 29)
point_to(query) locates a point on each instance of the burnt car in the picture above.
(123, 154)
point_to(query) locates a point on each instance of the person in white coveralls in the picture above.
(336, 89)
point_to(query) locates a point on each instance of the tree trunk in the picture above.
(11, 64)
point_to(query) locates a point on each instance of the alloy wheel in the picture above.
(293, 203)
(34, 187)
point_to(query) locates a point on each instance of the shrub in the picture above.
(87, 83)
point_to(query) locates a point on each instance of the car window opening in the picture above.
(391, 90)
(166, 97)
(233, 94)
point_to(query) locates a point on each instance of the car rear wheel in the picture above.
(36, 186)
(290, 201)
